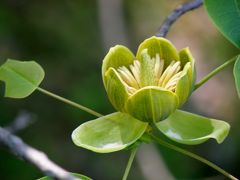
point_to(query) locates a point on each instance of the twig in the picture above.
(23, 120)
(215, 71)
(33, 156)
(176, 13)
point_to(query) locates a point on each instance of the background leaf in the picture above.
(74, 174)
(109, 133)
(191, 129)
(236, 73)
(21, 77)
(226, 16)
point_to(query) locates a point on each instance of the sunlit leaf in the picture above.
(21, 78)
(226, 16)
(188, 128)
(82, 177)
(236, 72)
(109, 133)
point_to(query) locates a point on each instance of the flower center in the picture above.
(137, 76)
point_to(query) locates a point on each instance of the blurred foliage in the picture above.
(65, 38)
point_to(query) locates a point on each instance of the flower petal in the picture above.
(116, 57)
(151, 104)
(191, 129)
(159, 45)
(185, 57)
(184, 85)
(116, 90)
(109, 133)
(186, 82)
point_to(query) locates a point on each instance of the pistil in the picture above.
(164, 77)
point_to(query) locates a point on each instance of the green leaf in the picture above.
(82, 177)
(226, 16)
(21, 78)
(236, 73)
(191, 129)
(152, 104)
(238, 5)
(109, 133)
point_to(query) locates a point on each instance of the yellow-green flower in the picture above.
(146, 90)
(151, 85)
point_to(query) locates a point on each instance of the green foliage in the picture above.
(74, 174)
(191, 129)
(226, 16)
(21, 77)
(109, 133)
(236, 73)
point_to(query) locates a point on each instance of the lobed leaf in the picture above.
(191, 129)
(21, 78)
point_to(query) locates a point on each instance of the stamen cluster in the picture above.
(164, 77)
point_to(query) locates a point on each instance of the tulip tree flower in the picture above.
(151, 86)
(147, 89)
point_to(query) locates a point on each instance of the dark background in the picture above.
(69, 39)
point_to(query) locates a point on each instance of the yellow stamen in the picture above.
(165, 77)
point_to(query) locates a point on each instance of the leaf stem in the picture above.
(129, 164)
(194, 156)
(79, 106)
(214, 72)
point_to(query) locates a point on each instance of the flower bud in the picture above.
(151, 85)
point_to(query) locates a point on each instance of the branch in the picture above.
(175, 14)
(23, 120)
(33, 156)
